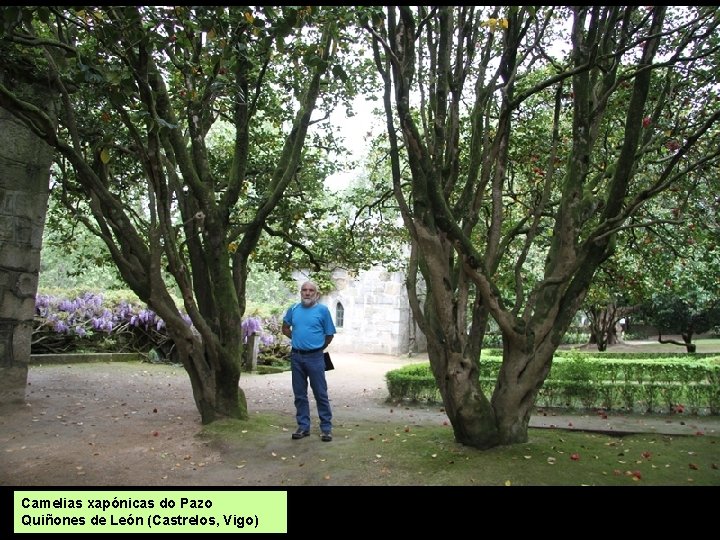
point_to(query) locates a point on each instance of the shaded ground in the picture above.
(133, 424)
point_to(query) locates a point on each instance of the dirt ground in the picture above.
(136, 424)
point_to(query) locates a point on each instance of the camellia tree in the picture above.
(143, 90)
(666, 273)
(532, 138)
(684, 267)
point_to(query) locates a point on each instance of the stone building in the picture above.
(371, 313)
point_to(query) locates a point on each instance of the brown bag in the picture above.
(328, 362)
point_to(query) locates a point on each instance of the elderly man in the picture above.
(310, 329)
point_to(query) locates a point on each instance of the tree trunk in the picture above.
(24, 189)
(213, 366)
(468, 409)
(455, 371)
(521, 377)
(686, 342)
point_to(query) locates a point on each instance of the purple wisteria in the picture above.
(90, 323)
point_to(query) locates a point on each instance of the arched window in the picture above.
(339, 315)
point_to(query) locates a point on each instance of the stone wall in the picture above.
(24, 189)
(371, 313)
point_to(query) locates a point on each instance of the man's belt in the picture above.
(307, 351)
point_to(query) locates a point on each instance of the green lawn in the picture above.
(373, 454)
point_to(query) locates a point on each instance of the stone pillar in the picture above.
(24, 188)
(252, 349)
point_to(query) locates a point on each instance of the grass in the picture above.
(371, 454)
(704, 345)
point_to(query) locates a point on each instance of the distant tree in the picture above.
(677, 264)
(687, 315)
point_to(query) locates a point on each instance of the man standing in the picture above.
(310, 329)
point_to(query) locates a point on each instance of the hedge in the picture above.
(637, 382)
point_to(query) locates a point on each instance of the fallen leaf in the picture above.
(693, 466)
(646, 455)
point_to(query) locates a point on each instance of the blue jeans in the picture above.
(310, 366)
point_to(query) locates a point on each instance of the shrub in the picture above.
(88, 323)
(117, 321)
(655, 383)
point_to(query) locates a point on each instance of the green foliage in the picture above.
(647, 382)
(690, 315)
(72, 257)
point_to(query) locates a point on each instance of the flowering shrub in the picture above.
(251, 325)
(274, 347)
(90, 323)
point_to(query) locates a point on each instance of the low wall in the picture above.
(75, 358)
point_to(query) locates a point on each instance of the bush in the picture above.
(652, 382)
(89, 323)
(77, 321)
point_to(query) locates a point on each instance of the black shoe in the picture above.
(326, 437)
(300, 434)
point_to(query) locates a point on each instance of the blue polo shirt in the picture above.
(309, 325)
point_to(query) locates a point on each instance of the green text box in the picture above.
(184, 511)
